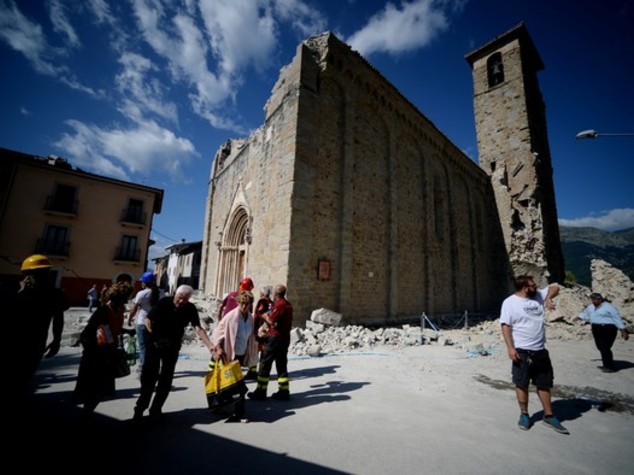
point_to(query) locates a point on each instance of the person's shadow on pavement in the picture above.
(572, 408)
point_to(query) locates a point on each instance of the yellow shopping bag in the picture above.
(224, 384)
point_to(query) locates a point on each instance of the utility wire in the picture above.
(164, 236)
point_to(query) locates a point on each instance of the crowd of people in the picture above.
(254, 337)
(257, 336)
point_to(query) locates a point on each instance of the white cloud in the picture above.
(101, 10)
(200, 50)
(240, 33)
(397, 30)
(182, 45)
(61, 23)
(147, 93)
(142, 149)
(613, 220)
(210, 45)
(304, 19)
(28, 39)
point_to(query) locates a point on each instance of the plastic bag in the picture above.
(224, 384)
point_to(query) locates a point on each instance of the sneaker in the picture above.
(281, 396)
(607, 370)
(554, 424)
(257, 395)
(525, 422)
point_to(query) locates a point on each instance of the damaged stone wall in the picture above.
(353, 199)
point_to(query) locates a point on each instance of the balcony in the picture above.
(55, 205)
(127, 255)
(133, 217)
(52, 248)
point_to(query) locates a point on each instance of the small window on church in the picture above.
(495, 69)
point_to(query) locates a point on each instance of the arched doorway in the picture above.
(232, 262)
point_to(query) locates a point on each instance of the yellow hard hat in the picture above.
(36, 261)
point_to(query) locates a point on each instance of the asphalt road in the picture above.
(426, 409)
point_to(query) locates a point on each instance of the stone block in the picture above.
(325, 316)
(296, 335)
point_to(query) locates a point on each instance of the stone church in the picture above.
(351, 197)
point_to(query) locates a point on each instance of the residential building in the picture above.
(183, 265)
(160, 271)
(94, 229)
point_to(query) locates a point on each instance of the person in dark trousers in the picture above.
(605, 321)
(100, 339)
(93, 297)
(33, 304)
(522, 319)
(279, 322)
(165, 324)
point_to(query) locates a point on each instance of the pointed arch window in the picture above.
(495, 69)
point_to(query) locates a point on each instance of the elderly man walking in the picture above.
(166, 324)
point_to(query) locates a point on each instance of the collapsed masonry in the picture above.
(327, 332)
(324, 332)
(510, 116)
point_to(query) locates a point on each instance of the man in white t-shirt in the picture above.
(144, 301)
(522, 319)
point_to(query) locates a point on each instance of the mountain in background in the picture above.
(581, 245)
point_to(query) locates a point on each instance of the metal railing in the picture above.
(52, 248)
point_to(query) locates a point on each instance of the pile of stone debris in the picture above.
(326, 331)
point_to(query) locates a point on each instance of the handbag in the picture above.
(224, 384)
(121, 365)
(121, 360)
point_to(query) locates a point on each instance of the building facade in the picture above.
(355, 200)
(94, 229)
(183, 265)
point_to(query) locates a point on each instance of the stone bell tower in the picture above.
(513, 148)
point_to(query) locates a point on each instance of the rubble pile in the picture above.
(325, 333)
(318, 338)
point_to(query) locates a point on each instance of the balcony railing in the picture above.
(128, 255)
(53, 203)
(52, 248)
(134, 217)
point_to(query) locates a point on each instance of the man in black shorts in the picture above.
(522, 319)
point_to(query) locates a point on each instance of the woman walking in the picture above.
(100, 339)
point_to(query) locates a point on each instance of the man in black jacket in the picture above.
(166, 324)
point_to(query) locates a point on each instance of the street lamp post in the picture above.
(591, 134)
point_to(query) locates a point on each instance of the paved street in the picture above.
(426, 409)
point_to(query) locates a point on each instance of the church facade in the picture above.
(355, 201)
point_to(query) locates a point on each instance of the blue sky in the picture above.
(148, 90)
